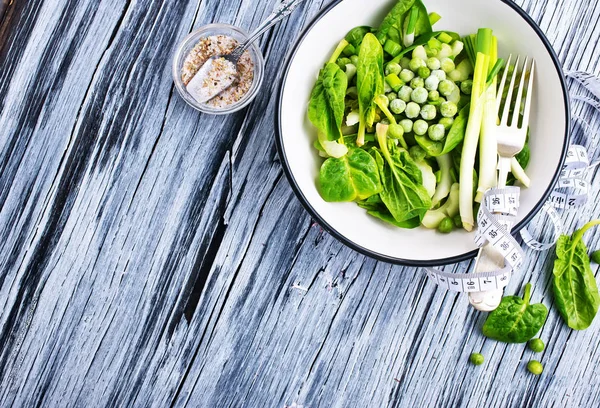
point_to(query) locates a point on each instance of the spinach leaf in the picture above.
(356, 35)
(353, 176)
(376, 208)
(393, 18)
(326, 104)
(515, 320)
(423, 25)
(455, 136)
(403, 193)
(575, 290)
(369, 82)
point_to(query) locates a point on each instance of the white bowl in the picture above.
(517, 34)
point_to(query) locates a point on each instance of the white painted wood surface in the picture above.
(154, 256)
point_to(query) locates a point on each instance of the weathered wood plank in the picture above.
(158, 256)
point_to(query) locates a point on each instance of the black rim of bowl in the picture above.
(399, 261)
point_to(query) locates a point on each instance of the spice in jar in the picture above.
(205, 77)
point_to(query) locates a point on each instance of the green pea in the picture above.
(436, 132)
(535, 367)
(428, 112)
(393, 68)
(596, 256)
(391, 96)
(536, 345)
(354, 60)
(420, 127)
(446, 87)
(343, 61)
(417, 153)
(457, 221)
(445, 227)
(476, 359)
(404, 93)
(407, 125)
(433, 63)
(405, 62)
(397, 106)
(395, 131)
(417, 82)
(412, 111)
(407, 75)
(446, 122)
(447, 65)
(433, 96)
(415, 64)
(466, 86)
(423, 72)
(419, 95)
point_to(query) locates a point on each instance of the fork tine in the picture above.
(501, 86)
(517, 106)
(528, 97)
(507, 103)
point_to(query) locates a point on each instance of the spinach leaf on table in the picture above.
(403, 193)
(574, 285)
(326, 105)
(348, 178)
(369, 82)
(455, 136)
(393, 19)
(515, 320)
(423, 25)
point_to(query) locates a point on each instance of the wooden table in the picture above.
(154, 256)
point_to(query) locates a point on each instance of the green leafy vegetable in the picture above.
(369, 82)
(393, 18)
(575, 290)
(326, 105)
(403, 193)
(351, 177)
(422, 23)
(515, 320)
(356, 35)
(376, 208)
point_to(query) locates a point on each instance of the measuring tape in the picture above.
(498, 211)
(496, 216)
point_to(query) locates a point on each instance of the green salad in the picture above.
(400, 111)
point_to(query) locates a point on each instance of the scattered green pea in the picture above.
(536, 345)
(354, 60)
(432, 83)
(445, 227)
(475, 358)
(446, 87)
(391, 96)
(448, 109)
(417, 82)
(433, 96)
(535, 367)
(447, 65)
(441, 75)
(457, 221)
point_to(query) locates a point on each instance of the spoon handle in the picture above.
(285, 8)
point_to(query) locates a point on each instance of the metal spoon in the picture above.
(223, 68)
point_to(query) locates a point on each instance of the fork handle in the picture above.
(503, 169)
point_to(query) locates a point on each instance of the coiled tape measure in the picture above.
(497, 214)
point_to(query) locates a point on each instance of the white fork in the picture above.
(510, 139)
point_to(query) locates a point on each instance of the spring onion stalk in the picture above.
(382, 102)
(488, 150)
(411, 23)
(467, 163)
(443, 187)
(433, 218)
(338, 51)
(434, 18)
(518, 172)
